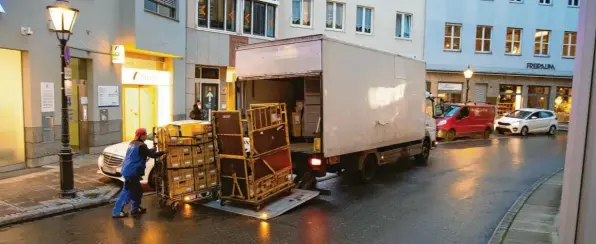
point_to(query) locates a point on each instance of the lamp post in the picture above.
(63, 18)
(468, 74)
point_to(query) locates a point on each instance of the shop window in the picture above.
(450, 92)
(165, 8)
(569, 42)
(510, 98)
(364, 18)
(206, 72)
(541, 42)
(403, 25)
(513, 41)
(483, 37)
(563, 103)
(335, 16)
(259, 18)
(538, 97)
(217, 14)
(301, 12)
(452, 37)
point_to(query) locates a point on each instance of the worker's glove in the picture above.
(159, 154)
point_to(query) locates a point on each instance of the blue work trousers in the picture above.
(132, 191)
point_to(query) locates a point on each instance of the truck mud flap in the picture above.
(271, 210)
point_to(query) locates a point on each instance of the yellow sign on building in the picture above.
(118, 54)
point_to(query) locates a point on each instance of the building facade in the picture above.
(394, 26)
(522, 52)
(214, 28)
(125, 65)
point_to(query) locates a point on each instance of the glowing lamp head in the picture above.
(63, 18)
(468, 73)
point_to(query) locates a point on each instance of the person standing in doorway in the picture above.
(133, 169)
(197, 111)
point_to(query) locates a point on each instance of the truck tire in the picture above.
(369, 168)
(486, 133)
(306, 181)
(422, 158)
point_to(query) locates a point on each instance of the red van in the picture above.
(466, 120)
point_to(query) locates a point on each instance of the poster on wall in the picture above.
(47, 97)
(108, 96)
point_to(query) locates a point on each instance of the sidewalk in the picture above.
(34, 193)
(534, 218)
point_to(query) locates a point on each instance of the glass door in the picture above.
(12, 145)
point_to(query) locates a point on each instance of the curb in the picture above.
(71, 206)
(507, 220)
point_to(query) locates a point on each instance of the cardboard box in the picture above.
(296, 125)
(180, 156)
(299, 105)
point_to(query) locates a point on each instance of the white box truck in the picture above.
(362, 107)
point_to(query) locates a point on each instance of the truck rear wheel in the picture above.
(306, 181)
(422, 158)
(369, 168)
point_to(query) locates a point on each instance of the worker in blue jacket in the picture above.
(133, 170)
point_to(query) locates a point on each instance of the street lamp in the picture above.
(63, 18)
(468, 73)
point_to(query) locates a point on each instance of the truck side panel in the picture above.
(371, 99)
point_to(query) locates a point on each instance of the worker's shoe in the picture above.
(122, 214)
(138, 211)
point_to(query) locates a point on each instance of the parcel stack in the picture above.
(189, 170)
(264, 171)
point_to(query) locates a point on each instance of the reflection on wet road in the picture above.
(459, 198)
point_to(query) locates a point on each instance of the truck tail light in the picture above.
(315, 161)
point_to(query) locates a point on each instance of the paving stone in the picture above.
(528, 237)
(546, 195)
(532, 226)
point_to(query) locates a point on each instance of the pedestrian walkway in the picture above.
(34, 193)
(536, 219)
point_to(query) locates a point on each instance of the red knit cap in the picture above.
(139, 133)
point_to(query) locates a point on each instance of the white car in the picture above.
(111, 159)
(525, 121)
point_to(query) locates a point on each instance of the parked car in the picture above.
(111, 159)
(466, 120)
(526, 121)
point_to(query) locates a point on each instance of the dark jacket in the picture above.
(196, 113)
(135, 161)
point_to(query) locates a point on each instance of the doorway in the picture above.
(139, 109)
(12, 131)
(209, 98)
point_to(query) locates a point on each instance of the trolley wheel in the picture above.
(162, 202)
(258, 208)
(175, 205)
(214, 194)
(221, 202)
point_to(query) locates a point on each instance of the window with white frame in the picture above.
(569, 42)
(516, 1)
(165, 8)
(403, 25)
(483, 38)
(301, 12)
(364, 19)
(545, 2)
(217, 14)
(258, 18)
(335, 16)
(573, 3)
(541, 40)
(513, 41)
(452, 37)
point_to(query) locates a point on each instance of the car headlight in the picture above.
(442, 122)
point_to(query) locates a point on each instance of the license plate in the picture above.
(109, 170)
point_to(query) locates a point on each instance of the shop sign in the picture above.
(47, 97)
(108, 96)
(540, 66)
(145, 77)
(450, 86)
(68, 87)
(118, 54)
(67, 73)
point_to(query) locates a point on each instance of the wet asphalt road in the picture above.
(459, 198)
